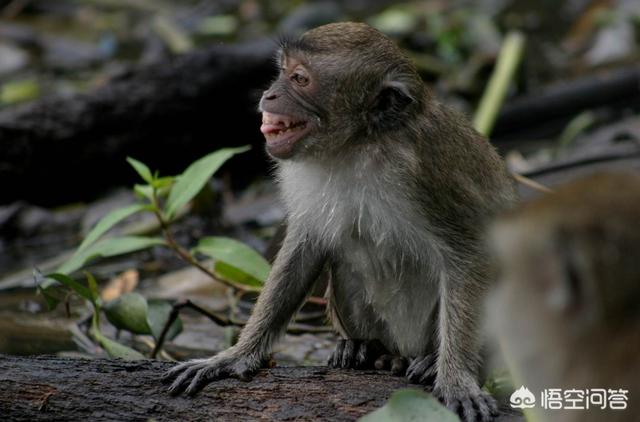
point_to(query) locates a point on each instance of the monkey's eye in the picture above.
(300, 77)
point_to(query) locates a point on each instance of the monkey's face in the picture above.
(289, 110)
(340, 86)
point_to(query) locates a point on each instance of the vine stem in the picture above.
(182, 252)
(189, 259)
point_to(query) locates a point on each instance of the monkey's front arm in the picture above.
(295, 269)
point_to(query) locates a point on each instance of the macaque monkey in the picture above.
(567, 307)
(389, 191)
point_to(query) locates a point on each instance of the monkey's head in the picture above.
(338, 84)
(576, 250)
(569, 283)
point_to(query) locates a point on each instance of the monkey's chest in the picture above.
(388, 269)
(384, 293)
(386, 258)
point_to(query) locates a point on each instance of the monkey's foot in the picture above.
(422, 370)
(363, 354)
(396, 364)
(471, 404)
(192, 376)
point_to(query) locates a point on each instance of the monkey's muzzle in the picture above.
(282, 132)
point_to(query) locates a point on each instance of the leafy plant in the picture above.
(235, 264)
(411, 405)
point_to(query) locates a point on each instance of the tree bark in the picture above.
(50, 388)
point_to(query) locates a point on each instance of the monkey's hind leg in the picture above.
(358, 353)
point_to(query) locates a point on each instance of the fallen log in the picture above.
(65, 148)
(50, 388)
(545, 114)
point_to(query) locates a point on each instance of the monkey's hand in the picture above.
(467, 400)
(194, 375)
(423, 370)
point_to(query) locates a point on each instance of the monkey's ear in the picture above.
(393, 97)
(565, 293)
(573, 292)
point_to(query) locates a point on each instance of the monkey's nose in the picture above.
(267, 95)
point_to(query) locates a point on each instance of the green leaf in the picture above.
(158, 314)
(192, 180)
(499, 384)
(219, 25)
(115, 349)
(141, 169)
(225, 271)
(72, 284)
(394, 20)
(93, 288)
(411, 405)
(144, 191)
(19, 91)
(128, 312)
(53, 294)
(236, 255)
(107, 222)
(109, 247)
(163, 182)
(52, 291)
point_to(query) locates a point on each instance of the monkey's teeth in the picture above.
(280, 120)
(275, 125)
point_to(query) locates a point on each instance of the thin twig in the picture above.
(225, 321)
(531, 183)
(183, 253)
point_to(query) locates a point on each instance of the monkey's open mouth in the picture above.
(282, 132)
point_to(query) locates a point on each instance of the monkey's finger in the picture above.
(383, 362)
(398, 365)
(412, 365)
(428, 378)
(490, 405)
(469, 412)
(483, 410)
(362, 356)
(336, 356)
(418, 367)
(203, 377)
(173, 373)
(493, 406)
(349, 354)
(183, 381)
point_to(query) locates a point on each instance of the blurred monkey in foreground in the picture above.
(567, 307)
